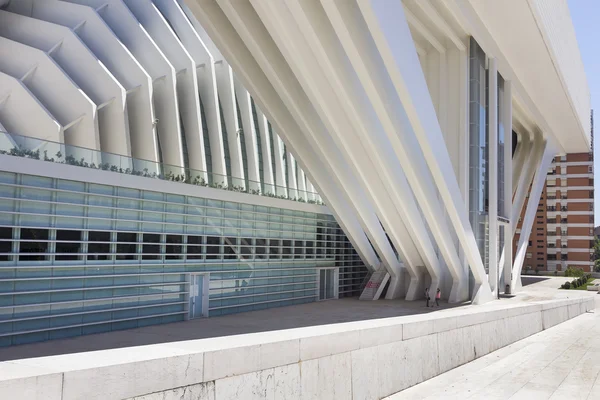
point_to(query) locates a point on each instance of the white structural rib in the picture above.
(302, 192)
(100, 40)
(60, 95)
(222, 32)
(350, 28)
(187, 84)
(282, 77)
(267, 156)
(21, 113)
(244, 102)
(355, 129)
(544, 152)
(209, 92)
(164, 124)
(386, 20)
(281, 187)
(82, 66)
(291, 176)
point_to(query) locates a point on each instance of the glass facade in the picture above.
(478, 147)
(79, 258)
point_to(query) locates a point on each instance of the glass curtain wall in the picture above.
(79, 257)
(478, 147)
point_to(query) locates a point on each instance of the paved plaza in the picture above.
(305, 315)
(560, 363)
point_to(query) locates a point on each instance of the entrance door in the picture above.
(327, 284)
(198, 303)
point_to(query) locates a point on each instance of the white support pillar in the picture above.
(493, 174)
(544, 153)
(528, 170)
(508, 174)
(229, 110)
(302, 193)
(311, 190)
(291, 176)
(265, 144)
(245, 103)
(523, 150)
(280, 188)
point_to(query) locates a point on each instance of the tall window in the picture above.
(478, 147)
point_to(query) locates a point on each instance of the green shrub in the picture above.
(574, 283)
(574, 272)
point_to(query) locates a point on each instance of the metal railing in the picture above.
(46, 150)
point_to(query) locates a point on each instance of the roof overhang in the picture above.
(536, 43)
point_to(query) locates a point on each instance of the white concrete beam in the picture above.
(58, 94)
(255, 80)
(267, 157)
(269, 57)
(545, 152)
(22, 114)
(207, 88)
(164, 113)
(350, 28)
(244, 102)
(186, 82)
(82, 66)
(355, 128)
(440, 22)
(385, 20)
(291, 176)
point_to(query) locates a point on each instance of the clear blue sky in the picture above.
(586, 18)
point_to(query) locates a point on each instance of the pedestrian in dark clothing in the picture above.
(438, 296)
(427, 298)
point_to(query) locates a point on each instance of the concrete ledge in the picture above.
(361, 360)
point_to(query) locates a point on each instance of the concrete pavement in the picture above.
(560, 363)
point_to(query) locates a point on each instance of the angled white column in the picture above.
(286, 84)
(267, 157)
(310, 189)
(330, 87)
(302, 192)
(270, 59)
(70, 106)
(255, 80)
(204, 60)
(244, 102)
(291, 176)
(82, 66)
(92, 31)
(526, 176)
(283, 79)
(164, 112)
(493, 175)
(281, 187)
(229, 109)
(386, 20)
(544, 153)
(22, 114)
(522, 151)
(350, 27)
(187, 83)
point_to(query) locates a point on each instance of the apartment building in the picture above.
(562, 235)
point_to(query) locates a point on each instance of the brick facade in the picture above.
(563, 230)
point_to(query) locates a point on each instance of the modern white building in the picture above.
(172, 159)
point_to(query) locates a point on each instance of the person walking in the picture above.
(438, 296)
(427, 298)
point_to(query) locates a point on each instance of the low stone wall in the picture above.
(358, 360)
